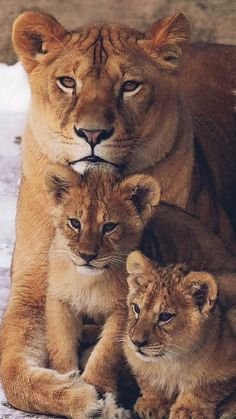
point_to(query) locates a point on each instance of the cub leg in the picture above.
(103, 364)
(152, 406)
(153, 403)
(63, 331)
(190, 406)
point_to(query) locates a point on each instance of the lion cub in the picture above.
(98, 220)
(179, 342)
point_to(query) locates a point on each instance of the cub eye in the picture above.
(66, 82)
(74, 223)
(109, 228)
(130, 86)
(136, 310)
(165, 317)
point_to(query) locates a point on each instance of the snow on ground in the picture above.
(14, 88)
(11, 126)
(14, 102)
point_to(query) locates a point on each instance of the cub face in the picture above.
(98, 217)
(100, 95)
(169, 309)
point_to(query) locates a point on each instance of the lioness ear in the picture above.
(36, 38)
(58, 180)
(143, 191)
(166, 40)
(203, 288)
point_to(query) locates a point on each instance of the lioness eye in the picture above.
(74, 223)
(136, 310)
(67, 82)
(130, 86)
(109, 228)
(165, 317)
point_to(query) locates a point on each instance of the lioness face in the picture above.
(105, 94)
(169, 309)
(98, 218)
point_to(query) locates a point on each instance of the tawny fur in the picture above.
(158, 140)
(77, 288)
(173, 236)
(185, 366)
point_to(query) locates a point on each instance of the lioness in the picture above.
(180, 342)
(107, 94)
(99, 219)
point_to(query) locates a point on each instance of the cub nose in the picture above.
(88, 257)
(94, 137)
(139, 343)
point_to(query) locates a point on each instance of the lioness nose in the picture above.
(94, 137)
(139, 343)
(87, 257)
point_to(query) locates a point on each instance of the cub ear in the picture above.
(203, 288)
(143, 191)
(166, 40)
(136, 265)
(36, 37)
(58, 180)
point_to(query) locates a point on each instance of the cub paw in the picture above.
(102, 384)
(148, 408)
(185, 412)
(111, 410)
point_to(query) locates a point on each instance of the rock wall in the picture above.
(211, 20)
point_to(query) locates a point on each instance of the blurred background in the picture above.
(211, 20)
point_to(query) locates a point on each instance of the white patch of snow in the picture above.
(14, 88)
(11, 126)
